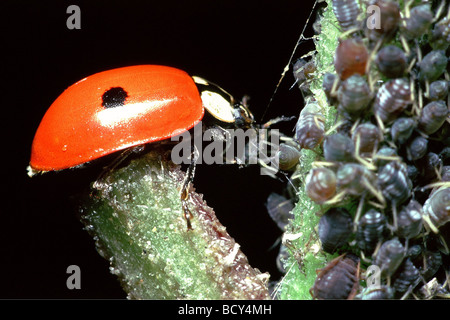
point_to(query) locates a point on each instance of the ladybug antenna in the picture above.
(286, 68)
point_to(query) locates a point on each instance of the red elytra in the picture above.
(114, 110)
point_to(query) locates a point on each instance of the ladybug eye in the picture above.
(114, 97)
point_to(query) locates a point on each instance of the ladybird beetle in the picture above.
(126, 107)
(117, 109)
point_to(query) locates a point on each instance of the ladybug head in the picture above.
(221, 105)
(242, 114)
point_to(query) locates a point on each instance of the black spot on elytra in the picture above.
(114, 97)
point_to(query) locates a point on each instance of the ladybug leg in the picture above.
(114, 164)
(185, 189)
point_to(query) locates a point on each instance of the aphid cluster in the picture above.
(383, 178)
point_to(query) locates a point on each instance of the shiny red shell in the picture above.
(157, 102)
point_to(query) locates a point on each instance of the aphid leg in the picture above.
(439, 184)
(411, 65)
(184, 195)
(394, 216)
(348, 32)
(356, 124)
(316, 120)
(447, 280)
(318, 164)
(446, 250)
(429, 224)
(408, 5)
(447, 76)
(407, 293)
(335, 87)
(427, 89)
(374, 191)
(363, 257)
(336, 199)
(416, 109)
(358, 212)
(268, 170)
(376, 205)
(290, 181)
(405, 45)
(334, 127)
(380, 123)
(360, 159)
(418, 52)
(373, 54)
(439, 11)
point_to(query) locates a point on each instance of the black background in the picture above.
(241, 45)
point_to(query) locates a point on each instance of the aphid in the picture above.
(392, 99)
(384, 155)
(354, 96)
(443, 134)
(383, 292)
(432, 65)
(394, 183)
(407, 277)
(438, 90)
(350, 58)
(320, 184)
(287, 156)
(346, 12)
(366, 137)
(389, 19)
(409, 223)
(329, 84)
(310, 128)
(303, 73)
(279, 209)
(414, 251)
(418, 22)
(391, 61)
(445, 154)
(434, 289)
(371, 230)
(429, 166)
(389, 257)
(401, 129)
(440, 36)
(338, 280)
(416, 148)
(354, 178)
(282, 257)
(432, 261)
(433, 116)
(338, 148)
(437, 209)
(412, 171)
(335, 228)
(345, 126)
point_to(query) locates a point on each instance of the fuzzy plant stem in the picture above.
(135, 216)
